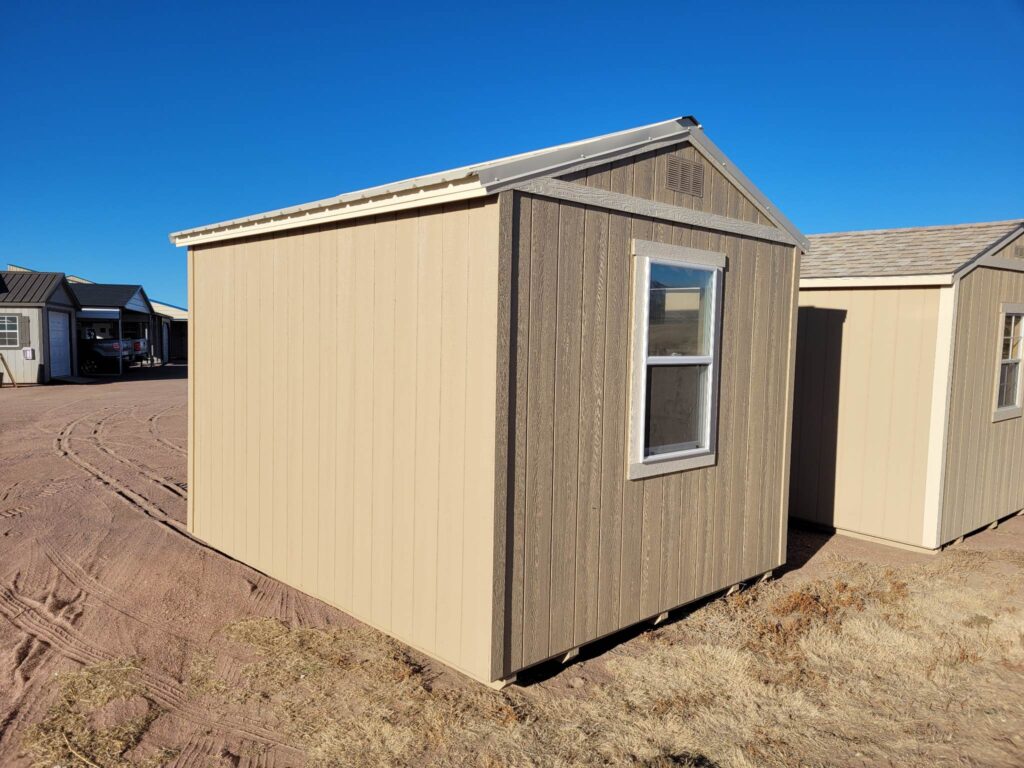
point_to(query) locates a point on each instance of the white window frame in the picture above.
(1016, 410)
(644, 253)
(17, 331)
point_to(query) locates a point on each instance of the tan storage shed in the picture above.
(907, 425)
(506, 409)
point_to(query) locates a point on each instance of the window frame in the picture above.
(17, 331)
(1002, 413)
(644, 253)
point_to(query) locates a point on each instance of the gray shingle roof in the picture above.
(28, 287)
(891, 252)
(103, 294)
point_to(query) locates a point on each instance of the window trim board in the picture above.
(1008, 412)
(17, 330)
(643, 252)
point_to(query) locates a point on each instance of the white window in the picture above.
(9, 331)
(1011, 352)
(677, 311)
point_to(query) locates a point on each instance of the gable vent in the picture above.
(1018, 251)
(685, 176)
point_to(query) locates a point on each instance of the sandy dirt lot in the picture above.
(125, 642)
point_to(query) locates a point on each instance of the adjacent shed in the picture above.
(509, 408)
(37, 321)
(908, 420)
(173, 330)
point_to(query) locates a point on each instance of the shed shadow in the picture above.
(812, 486)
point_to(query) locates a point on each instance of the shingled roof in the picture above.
(894, 252)
(28, 287)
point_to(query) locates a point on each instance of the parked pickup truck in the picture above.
(139, 348)
(100, 355)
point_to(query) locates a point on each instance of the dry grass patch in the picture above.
(870, 665)
(100, 715)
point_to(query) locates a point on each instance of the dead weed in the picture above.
(101, 714)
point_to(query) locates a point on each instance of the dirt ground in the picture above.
(125, 642)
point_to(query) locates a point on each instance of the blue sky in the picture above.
(122, 122)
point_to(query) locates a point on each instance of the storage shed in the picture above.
(37, 321)
(908, 420)
(505, 409)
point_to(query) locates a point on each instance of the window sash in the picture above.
(1011, 352)
(641, 462)
(9, 336)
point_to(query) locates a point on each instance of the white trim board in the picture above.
(888, 281)
(942, 381)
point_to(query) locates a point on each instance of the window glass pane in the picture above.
(675, 408)
(1009, 375)
(1013, 342)
(679, 311)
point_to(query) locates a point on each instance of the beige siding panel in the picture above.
(865, 367)
(984, 479)
(26, 371)
(652, 536)
(428, 428)
(363, 472)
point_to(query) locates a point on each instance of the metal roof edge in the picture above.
(563, 158)
(725, 165)
(487, 174)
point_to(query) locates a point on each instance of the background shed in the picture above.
(903, 344)
(37, 321)
(457, 451)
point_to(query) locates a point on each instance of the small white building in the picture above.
(37, 320)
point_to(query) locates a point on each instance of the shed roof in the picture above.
(17, 287)
(480, 179)
(104, 294)
(942, 250)
(169, 310)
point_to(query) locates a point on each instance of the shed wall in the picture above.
(985, 460)
(863, 408)
(26, 371)
(343, 410)
(589, 552)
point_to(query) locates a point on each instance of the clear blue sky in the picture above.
(120, 122)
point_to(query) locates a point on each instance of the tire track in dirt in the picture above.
(81, 579)
(32, 618)
(64, 448)
(164, 482)
(154, 430)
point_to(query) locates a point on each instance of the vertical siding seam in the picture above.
(394, 423)
(470, 223)
(526, 422)
(415, 427)
(579, 433)
(554, 403)
(440, 402)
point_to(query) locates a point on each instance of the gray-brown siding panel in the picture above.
(720, 197)
(984, 477)
(600, 552)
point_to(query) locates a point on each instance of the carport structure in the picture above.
(125, 307)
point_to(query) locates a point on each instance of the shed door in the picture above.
(164, 338)
(60, 344)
